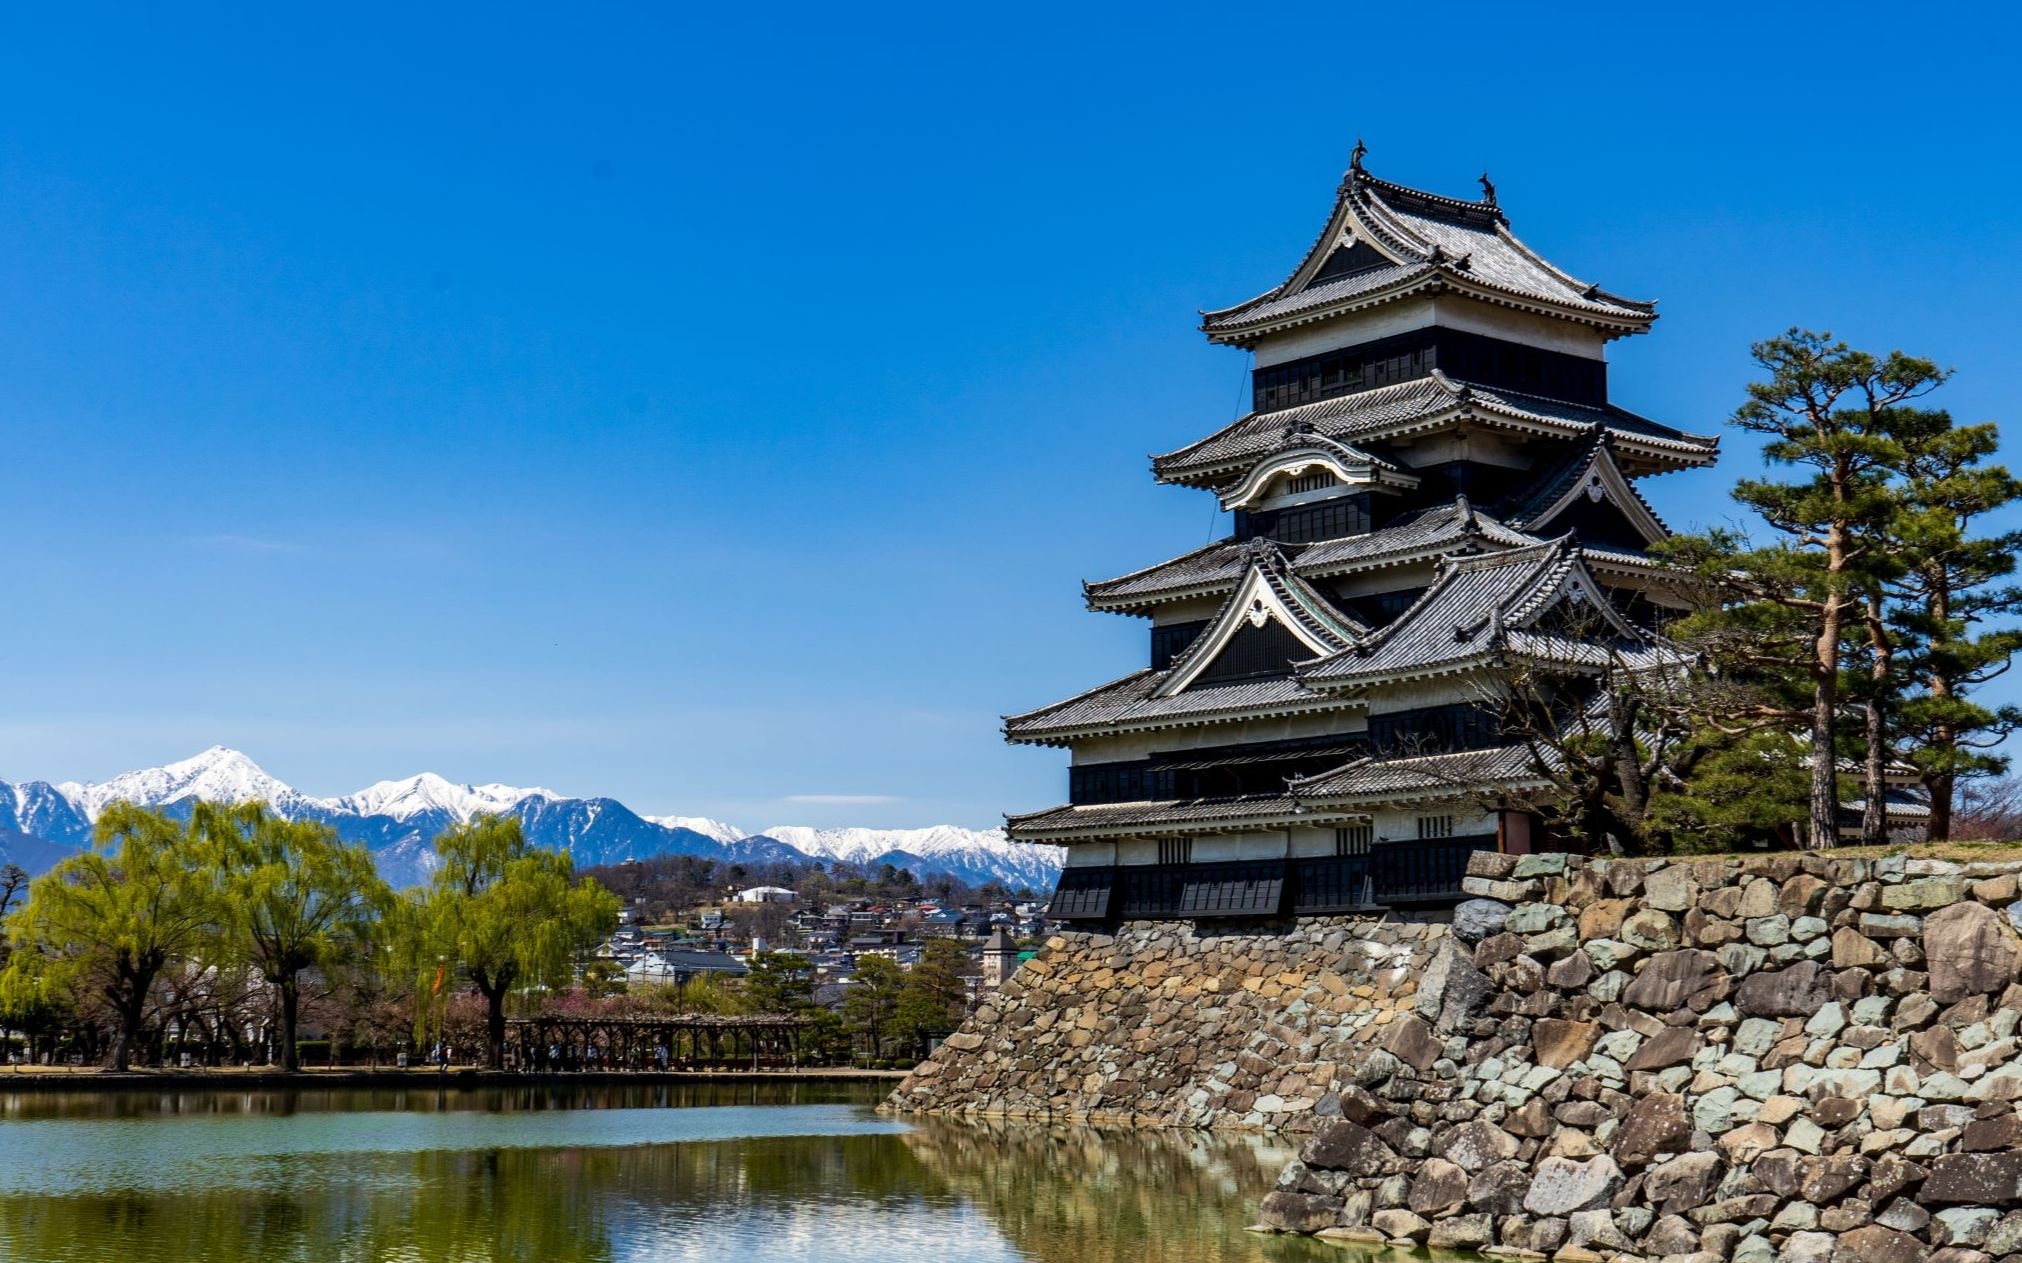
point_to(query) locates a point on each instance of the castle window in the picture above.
(1434, 827)
(1311, 482)
(1354, 839)
(1175, 850)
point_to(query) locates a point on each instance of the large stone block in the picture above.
(1970, 950)
(1476, 919)
(1876, 1244)
(1671, 889)
(1499, 1188)
(1440, 1189)
(1975, 1179)
(1798, 990)
(1923, 895)
(1687, 979)
(1297, 1212)
(1672, 1046)
(1562, 1185)
(1655, 1125)
(1452, 991)
(1559, 1043)
(1683, 1184)
(1475, 1146)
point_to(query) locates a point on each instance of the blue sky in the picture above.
(717, 407)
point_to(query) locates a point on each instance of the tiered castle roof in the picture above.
(1482, 609)
(1526, 569)
(1385, 242)
(1425, 406)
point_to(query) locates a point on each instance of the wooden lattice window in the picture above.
(1354, 839)
(1175, 850)
(1435, 827)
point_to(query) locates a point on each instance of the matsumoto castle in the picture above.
(1431, 481)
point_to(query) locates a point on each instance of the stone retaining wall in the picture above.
(1176, 1024)
(1783, 1059)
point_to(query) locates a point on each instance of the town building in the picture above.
(1430, 485)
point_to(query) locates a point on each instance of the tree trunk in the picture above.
(1944, 781)
(128, 1008)
(128, 996)
(1825, 686)
(1824, 759)
(1940, 786)
(290, 1005)
(1874, 811)
(494, 1027)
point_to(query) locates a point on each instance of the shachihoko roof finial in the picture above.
(1487, 188)
(1355, 158)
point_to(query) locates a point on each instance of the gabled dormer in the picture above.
(1540, 603)
(1310, 467)
(1589, 496)
(1272, 620)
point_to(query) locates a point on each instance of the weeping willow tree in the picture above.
(106, 922)
(502, 915)
(294, 899)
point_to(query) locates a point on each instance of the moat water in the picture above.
(723, 1173)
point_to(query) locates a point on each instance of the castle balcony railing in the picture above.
(1390, 875)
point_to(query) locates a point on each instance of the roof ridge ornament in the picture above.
(1470, 528)
(1355, 158)
(1487, 187)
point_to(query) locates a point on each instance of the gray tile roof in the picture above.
(1324, 293)
(1425, 241)
(1129, 703)
(1147, 816)
(1134, 701)
(1423, 403)
(1421, 775)
(1427, 531)
(1219, 566)
(1478, 610)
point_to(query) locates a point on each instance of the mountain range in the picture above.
(41, 822)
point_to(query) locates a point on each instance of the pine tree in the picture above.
(1841, 416)
(1949, 587)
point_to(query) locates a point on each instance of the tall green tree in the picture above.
(504, 914)
(107, 921)
(935, 994)
(1840, 418)
(1952, 583)
(871, 1005)
(779, 982)
(293, 898)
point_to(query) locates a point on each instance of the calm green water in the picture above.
(705, 1172)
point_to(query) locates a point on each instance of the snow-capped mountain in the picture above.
(703, 825)
(216, 775)
(419, 795)
(975, 856)
(399, 820)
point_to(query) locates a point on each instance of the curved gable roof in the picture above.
(1398, 241)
